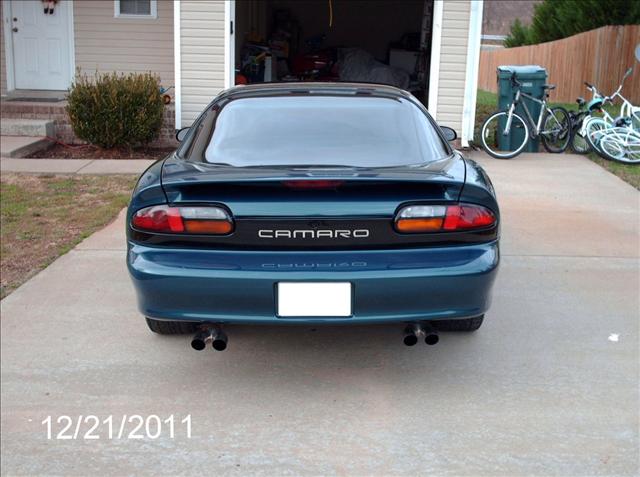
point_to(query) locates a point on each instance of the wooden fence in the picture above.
(599, 56)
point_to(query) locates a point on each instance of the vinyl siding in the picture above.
(201, 56)
(104, 43)
(453, 62)
(3, 66)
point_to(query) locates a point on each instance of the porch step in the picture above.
(27, 127)
(22, 146)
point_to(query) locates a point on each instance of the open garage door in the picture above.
(381, 41)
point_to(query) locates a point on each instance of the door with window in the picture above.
(42, 54)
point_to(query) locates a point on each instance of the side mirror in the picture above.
(181, 134)
(449, 133)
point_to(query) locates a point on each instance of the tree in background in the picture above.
(556, 19)
(520, 35)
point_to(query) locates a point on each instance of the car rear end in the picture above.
(213, 242)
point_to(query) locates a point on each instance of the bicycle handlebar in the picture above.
(616, 93)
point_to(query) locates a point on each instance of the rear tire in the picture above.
(171, 327)
(467, 324)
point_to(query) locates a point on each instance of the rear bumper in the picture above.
(239, 286)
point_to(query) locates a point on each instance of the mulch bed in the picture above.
(59, 151)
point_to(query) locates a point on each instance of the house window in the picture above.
(136, 8)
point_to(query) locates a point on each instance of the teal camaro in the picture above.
(313, 203)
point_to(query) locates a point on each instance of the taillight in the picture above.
(185, 220)
(443, 218)
(420, 218)
(468, 217)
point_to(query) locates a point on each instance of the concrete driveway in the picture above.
(548, 386)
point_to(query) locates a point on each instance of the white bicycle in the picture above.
(615, 139)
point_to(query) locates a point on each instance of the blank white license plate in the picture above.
(314, 299)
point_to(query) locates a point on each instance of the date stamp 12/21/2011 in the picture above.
(133, 426)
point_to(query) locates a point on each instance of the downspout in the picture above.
(229, 43)
(471, 76)
(434, 67)
(177, 64)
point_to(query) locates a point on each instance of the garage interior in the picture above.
(379, 41)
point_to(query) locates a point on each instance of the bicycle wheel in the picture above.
(556, 130)
(579, 143)
(594, 129)
(498, 144)
(621, 145)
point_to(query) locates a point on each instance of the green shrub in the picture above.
(113, 109)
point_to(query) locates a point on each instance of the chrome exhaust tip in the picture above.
(212, 334)
(200, 339)
(431, 336)
(219, 342)
(411, 334)
(431, 339)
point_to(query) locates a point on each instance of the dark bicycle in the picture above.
(579, 143)
(553, 126)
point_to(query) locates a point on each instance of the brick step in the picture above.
(27, 127)
(32, 110)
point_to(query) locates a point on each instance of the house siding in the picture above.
(453, 62)
(202, 53)
(105, 44)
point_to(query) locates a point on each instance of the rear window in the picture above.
(323, 131)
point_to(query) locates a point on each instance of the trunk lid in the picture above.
(266, 192)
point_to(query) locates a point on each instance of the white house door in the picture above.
(41, 45)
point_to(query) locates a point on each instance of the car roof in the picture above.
(325, 88)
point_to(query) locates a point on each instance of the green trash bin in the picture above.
(532, 78)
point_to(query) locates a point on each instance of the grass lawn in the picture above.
(488, 102)
(43, 217)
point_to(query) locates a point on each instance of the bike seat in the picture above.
(580, 100)
(549, 86)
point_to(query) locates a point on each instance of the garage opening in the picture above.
(376, 41)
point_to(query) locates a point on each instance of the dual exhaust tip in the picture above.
(414, 332)
(213, 335)
(218, 338)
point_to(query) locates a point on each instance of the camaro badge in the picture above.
(312, 234)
